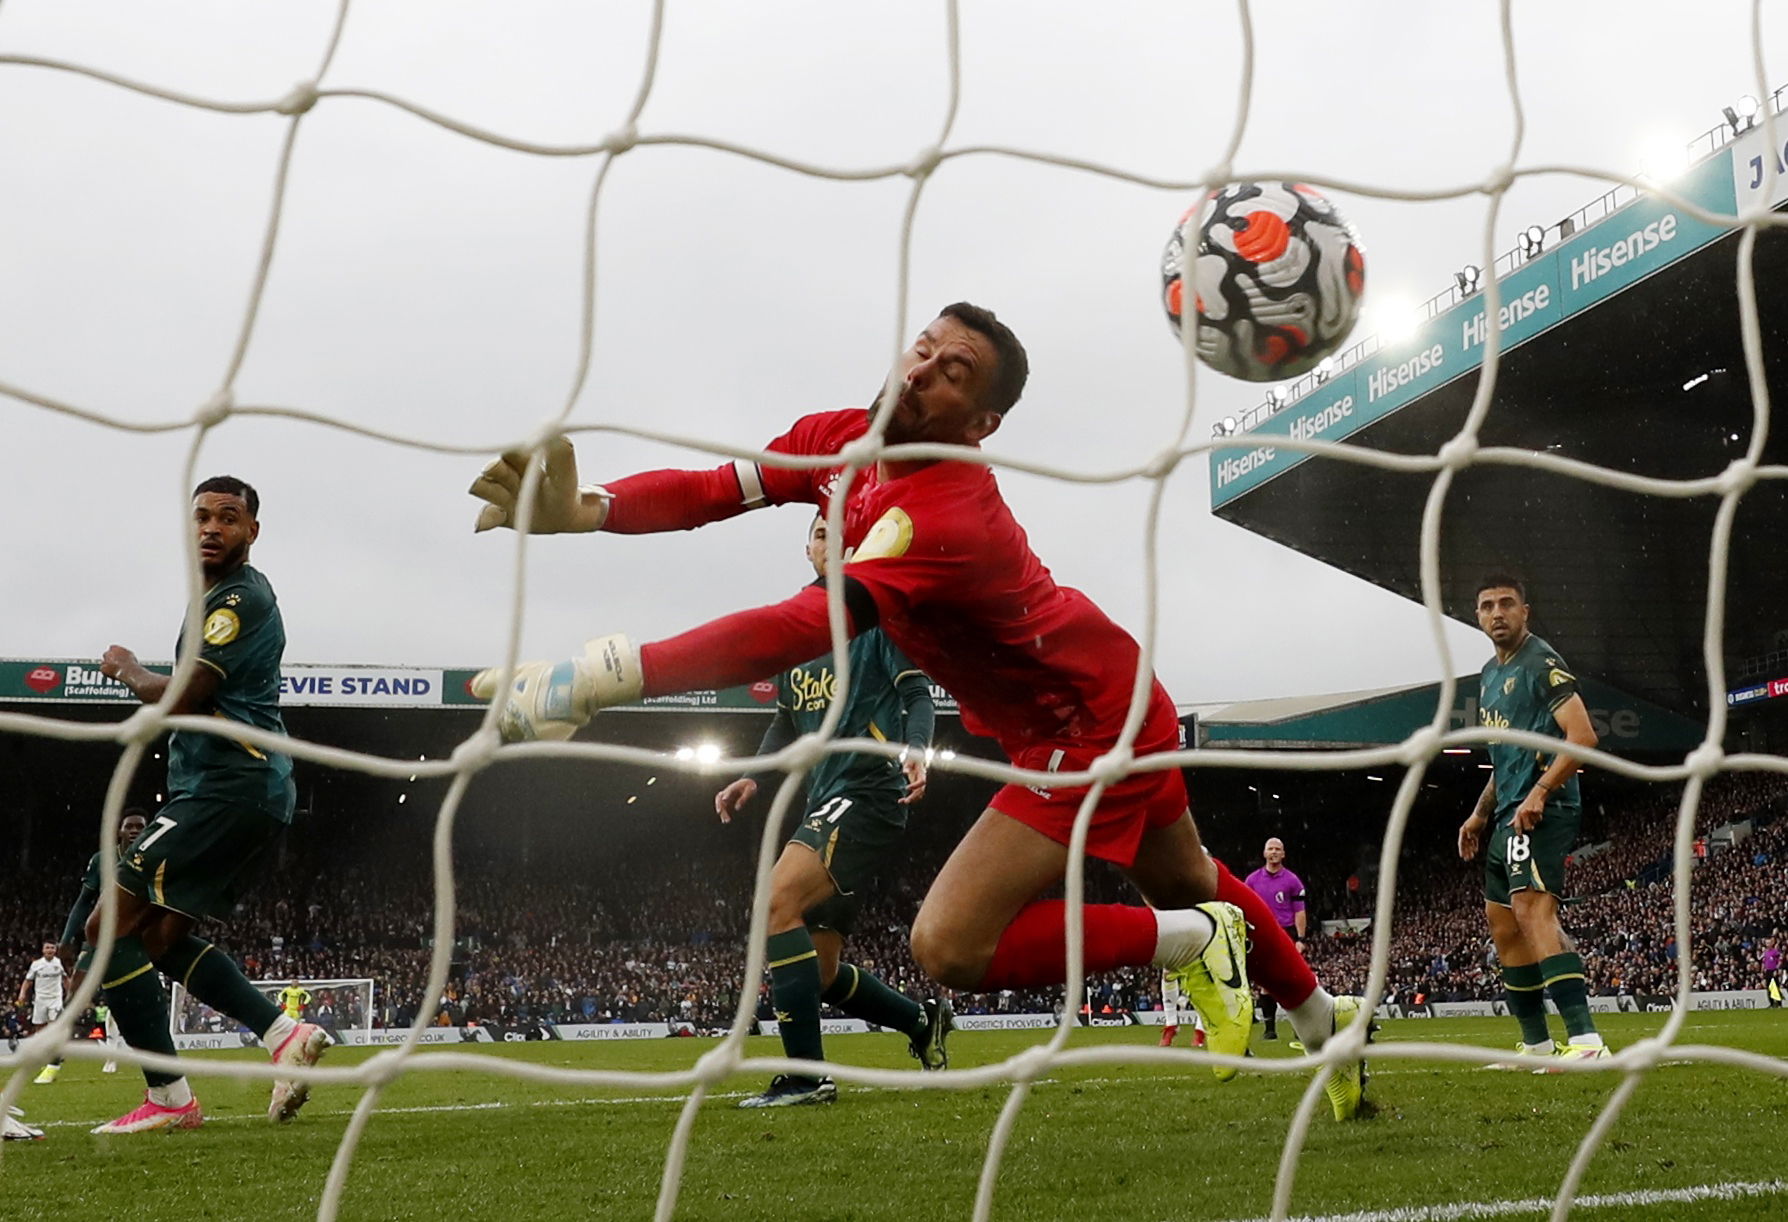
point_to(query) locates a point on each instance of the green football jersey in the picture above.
(90, 880)
(243, 641)
(874, 711)
(1522, 694)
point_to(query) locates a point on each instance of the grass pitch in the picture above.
(1101, 1142)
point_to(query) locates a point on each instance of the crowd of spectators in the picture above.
(620, 937)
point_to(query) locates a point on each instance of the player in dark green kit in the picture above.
(229, 802)
(73, 949)
(856, 811)
(1531, 811)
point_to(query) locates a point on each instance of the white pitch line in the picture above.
(1468, 1210)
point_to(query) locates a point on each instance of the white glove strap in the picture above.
(611, 666)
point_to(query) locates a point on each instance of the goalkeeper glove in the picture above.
(560, 504)
(551, 700)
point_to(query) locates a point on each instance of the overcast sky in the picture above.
(427, 283)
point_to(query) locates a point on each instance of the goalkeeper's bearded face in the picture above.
(941, 381)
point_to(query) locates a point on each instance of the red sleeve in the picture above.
(656, 501)
(739, 648)
(910, 557)
(820, 433)
(673, 500)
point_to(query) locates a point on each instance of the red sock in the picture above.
(1273, 960)
(1033, 950)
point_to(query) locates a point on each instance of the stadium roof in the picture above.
(1639, 369)
(1389, 715)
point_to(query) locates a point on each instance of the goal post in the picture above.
(336, 1006)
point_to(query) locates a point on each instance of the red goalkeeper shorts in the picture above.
(1127, 809)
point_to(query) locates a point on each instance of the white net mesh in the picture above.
(1415, 754)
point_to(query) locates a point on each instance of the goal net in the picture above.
(340, 1007)
(625, 136)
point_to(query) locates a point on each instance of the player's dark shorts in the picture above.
(1139, 803)
(200, 855)
(853, 834)
(1530, 861)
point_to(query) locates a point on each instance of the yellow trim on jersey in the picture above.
(831, 848)
(112, 984)
(1539, 884)
(875, 732)
(1552, 980)
(914, 671)
(155, 884)
(245, 745)
(222, 673)
(810, 954)
(1523, 988)
(194, 964)
(856, 979)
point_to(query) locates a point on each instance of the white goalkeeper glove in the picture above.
(561, 506)
(550, 700)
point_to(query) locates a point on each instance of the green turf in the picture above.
(1098, 1142)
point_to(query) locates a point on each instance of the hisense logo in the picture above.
(1231, 469)
(1384, 381)
(1600, 260)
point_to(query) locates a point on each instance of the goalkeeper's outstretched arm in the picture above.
(551, 700)
(646, 503)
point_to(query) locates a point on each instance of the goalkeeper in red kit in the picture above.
(938, 563)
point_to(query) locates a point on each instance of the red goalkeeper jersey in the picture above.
(958, 588)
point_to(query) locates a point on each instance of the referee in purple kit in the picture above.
(1283, 892)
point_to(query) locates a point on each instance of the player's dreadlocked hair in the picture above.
(229, 485)
(1014, 366)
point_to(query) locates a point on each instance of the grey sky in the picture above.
(427, 283)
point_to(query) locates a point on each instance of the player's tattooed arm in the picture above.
(1471, 832)
(148, 686)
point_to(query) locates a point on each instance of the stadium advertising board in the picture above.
(1750, 693)
(1597, 262)
(79, 681)
(1751, 155)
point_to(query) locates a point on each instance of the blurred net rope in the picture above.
(1415, 753)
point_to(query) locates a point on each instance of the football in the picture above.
(1277, 278)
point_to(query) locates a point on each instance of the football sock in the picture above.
(1314, 1018)
(177, 1093)
(1563, 975)
(1181, 934)
(140, 1006)
(864, 995)
(1273, 960)
(795, 992)
(1032, 950)
(1527, 1001)
(213, 977)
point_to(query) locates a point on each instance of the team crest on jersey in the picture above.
(221, 626)
(891, 535)
(1508, 685)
